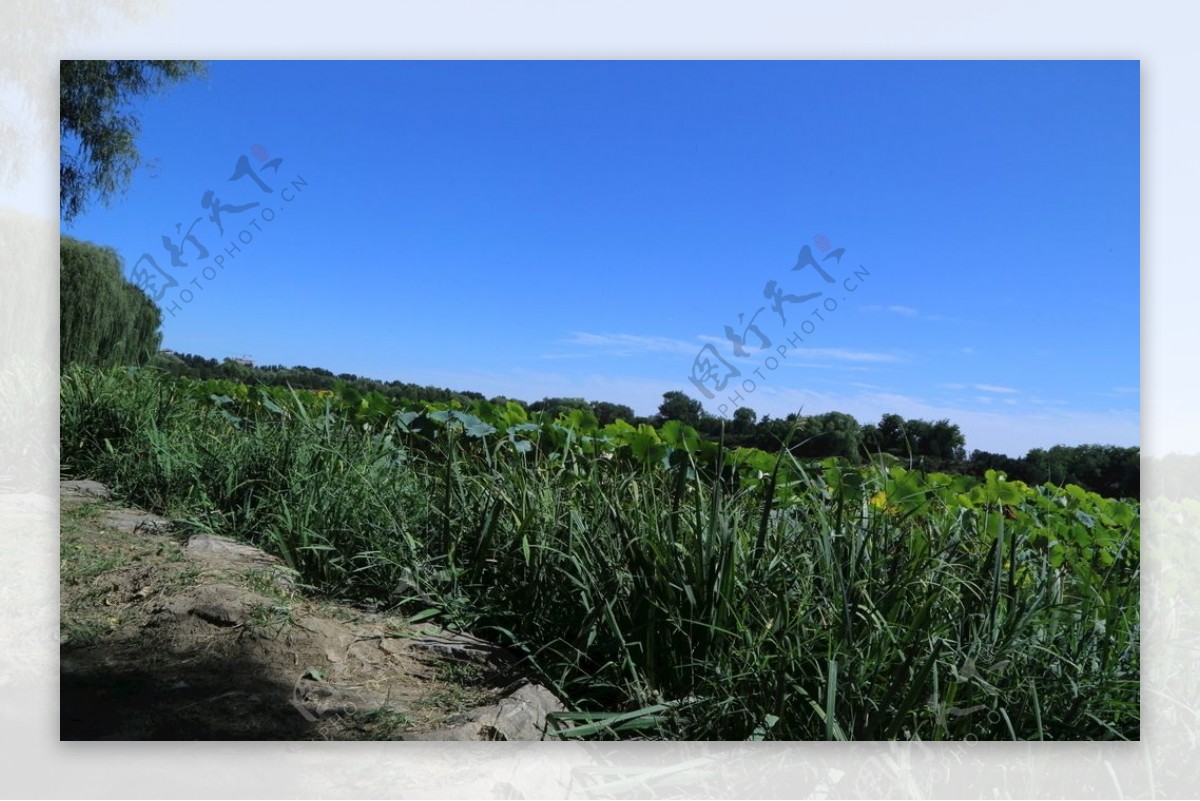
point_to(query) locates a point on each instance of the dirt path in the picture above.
(209, 639)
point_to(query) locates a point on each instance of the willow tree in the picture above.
(105, 320)
(98, 125)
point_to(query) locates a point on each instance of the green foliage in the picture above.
(311, 378)
(678, 406)
(1108, 469)
(744, 419)
(97, 127)
(663, 586)
(553, 407)
(831, 434)
(611, 412)
(917, 443)
(105, 320)
(935, 445)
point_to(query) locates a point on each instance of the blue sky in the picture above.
(536, 229)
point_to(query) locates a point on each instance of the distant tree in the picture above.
(714, 428)
(1046, 466)
(97, 128)
(501, 400)
(982, 461)
(829, 434)
(678, 406)
(236, 371)
(168, 362)
(916, 438)
(744, 419)
(607, 413)
(553, 407)
(104, 319)
(943, 444)
(770, 434)
(1124, 473)
(1107, 470)
(889, 436)
(1104, 469)
(937, 445)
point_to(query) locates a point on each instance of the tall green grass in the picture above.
(825, 602)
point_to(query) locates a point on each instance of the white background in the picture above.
(35, 35)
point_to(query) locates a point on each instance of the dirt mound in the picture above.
(209, 638)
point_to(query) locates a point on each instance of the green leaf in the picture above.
(473, 426)
(271, 405)
(424, 614)
(679, 435)
(607, 723)
(405, 419)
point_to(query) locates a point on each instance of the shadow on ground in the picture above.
(103, 697)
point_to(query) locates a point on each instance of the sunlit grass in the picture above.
(667, 600)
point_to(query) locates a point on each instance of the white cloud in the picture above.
(877, 308)
(993, 388)
(552, 356)
(907, 311)
(847, 355)
(809, 353)
(630, 344)
(1047, 401)
(815, 366)
(1120, 392)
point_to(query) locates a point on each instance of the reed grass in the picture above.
(660, 602)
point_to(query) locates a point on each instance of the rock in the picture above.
(129, 521)
(520, 716)
(134, 522)
(236, 554)
(225, 547)
(85, 489)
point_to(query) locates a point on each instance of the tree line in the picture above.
(304, 377)
(921, 444)
(107, 321)
(1108, 470)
